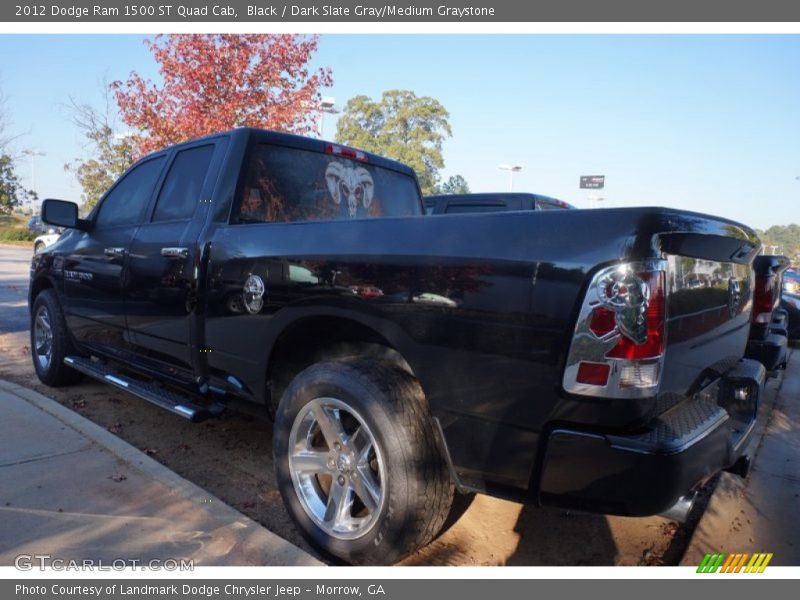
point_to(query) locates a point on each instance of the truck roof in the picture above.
(267, 136)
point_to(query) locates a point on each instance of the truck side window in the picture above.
(283, 184)
(126, 201)
(184, 182)
(543, 205)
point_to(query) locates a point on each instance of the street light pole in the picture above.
(33, 154)
(326, 105)
(511, 170)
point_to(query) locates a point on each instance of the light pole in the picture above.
(33, 154)
(511, 170)
(326, 105)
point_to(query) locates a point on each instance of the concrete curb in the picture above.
(288, 552)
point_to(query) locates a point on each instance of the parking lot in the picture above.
(230, 457)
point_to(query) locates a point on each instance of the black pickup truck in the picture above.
(556, 357)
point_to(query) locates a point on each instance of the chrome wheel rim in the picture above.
(337, 468)
(42, 337)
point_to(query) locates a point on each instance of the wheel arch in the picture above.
(38, 285)
(311, 338)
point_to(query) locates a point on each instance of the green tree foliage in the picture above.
(785, 237)
(456, 184)
(11, 191)
(402, 126)
(110, 154)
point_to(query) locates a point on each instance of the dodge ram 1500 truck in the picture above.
(558, 357)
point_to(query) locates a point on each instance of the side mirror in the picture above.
(61, 214)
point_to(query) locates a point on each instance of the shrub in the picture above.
(16, 235)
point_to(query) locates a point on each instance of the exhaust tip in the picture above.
(681, 509)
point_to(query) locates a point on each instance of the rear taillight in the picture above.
(652, 343)
(619, 342)
(763, 298)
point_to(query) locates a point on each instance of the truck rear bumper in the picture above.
(646, 473)
(770, 352)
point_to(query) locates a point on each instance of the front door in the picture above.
(95, 271)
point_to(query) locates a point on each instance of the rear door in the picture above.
(95, 271)
(164, 260)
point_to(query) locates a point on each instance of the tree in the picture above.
(11, 191)
(111, 153)
(455, 185)
(402, 126)
(786, 238)
(216, 82)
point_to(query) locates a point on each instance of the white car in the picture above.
(43, 241)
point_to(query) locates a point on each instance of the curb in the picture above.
(289, 553)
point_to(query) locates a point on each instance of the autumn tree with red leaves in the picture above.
(213, 83)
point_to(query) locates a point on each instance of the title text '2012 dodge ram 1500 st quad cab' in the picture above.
(555, 357)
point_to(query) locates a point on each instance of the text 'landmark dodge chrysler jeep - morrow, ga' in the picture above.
(556, 357)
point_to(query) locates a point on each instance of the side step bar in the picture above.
(153, 393)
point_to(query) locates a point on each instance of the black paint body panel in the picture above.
(481, 307)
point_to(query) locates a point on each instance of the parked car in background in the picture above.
(790, 303)
(768, 336)
(495, 202)
(48, 239)
(36, 225)
(791, 281)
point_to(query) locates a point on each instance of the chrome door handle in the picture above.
(115, 252)
(175, 252)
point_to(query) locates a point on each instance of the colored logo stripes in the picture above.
(735, 563)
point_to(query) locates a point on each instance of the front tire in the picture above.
(50, 342)
(38, 247)
(358, 463)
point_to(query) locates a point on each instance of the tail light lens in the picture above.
(763, 299)
(652, 342)
(619, 342)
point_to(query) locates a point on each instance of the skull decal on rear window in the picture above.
(353, 185)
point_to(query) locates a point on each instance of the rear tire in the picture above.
(397, 498)
(50, 342)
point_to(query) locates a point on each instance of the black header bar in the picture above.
(412, 11)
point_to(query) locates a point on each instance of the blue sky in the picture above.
(709, 123)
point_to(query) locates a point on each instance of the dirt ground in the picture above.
(231, 458)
